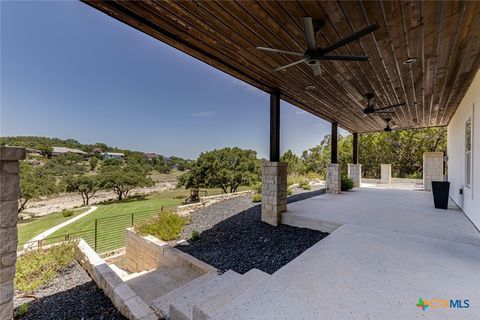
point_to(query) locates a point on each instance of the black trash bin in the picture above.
(440, 191)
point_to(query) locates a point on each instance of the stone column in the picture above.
(386, 173)
(355, 173)
(9, 191)
(432, 169)
(333, 178)
(274, 191)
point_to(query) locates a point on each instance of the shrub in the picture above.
(165, 226)
(22, 310)
(257, 188)
(257, 197)
(195, 235)
(289, 191)
(346, 183)
(36, 267)
(304, 184)
(67, 213)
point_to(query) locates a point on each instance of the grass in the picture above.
(37, 267)
(111, 232)
(28, 230)
(165, 226)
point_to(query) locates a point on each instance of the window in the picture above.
(468, 153)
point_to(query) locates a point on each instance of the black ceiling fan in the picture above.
(388, 128)
(313, 55)
(370, 108)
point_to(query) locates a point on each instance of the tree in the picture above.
(34, 183)
(93, 163)
(123, 180)
(226, 168)
(86, 185)
(295, 163)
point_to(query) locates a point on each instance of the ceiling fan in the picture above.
(370, 108)
(388, 128)
(313, 55)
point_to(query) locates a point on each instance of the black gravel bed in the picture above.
(71, 295)
(232, 236)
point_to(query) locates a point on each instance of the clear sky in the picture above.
(70, 71)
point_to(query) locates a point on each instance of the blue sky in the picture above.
(70, 71)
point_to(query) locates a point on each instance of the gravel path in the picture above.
(71, 295)
(233, 236)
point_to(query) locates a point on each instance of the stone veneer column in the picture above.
(9, 192)
(333, 178)
(274, 191)
(386, 173)
(432, 169)
(355, 173)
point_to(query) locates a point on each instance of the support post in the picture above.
(275, 127)
(333, 170)
(9, 192)
(274, 173)
(385, 173)
(432, 169)
(334, 142)
(355, 148)
(355, 169)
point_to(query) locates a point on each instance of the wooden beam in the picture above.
(275, 127)
(355, 148)
(334, 151)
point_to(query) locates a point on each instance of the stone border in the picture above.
(125, 299)
(148, 253)
(209, 200)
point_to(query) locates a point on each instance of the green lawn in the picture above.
(112, 219)
(28, 230)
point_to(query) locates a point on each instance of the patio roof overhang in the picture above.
(444, 37)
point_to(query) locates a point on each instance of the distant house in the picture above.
(33, 151)
(113, 155)
(150, 155)
(61, 151)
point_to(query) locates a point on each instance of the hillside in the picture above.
(46, 143)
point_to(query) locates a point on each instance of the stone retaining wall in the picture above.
(124, 298)
(148, 253)
(209, 200)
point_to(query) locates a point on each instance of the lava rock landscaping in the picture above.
(71, 295)
(232, 236)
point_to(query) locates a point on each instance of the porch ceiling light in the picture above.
(410, 60)
(310, 88)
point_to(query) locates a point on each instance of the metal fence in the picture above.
(107, 234)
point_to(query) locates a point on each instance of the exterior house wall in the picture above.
(468, 108)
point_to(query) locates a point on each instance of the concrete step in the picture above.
(182, 307)
(120, 272)
(228, 295)
(305, 222)
(161, 305)
(130, 276)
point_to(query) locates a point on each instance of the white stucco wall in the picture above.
(469, 107)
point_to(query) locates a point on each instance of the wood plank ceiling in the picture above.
(443, 36)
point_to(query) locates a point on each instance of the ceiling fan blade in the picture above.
(316, 70)
(281, 51)
(307, 24)
(383, 111)
(351, 38)
(389, 107)
(346, 58)
(288, 65)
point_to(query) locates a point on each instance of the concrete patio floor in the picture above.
(390, 248)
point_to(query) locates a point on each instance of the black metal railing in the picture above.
(107, 234)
